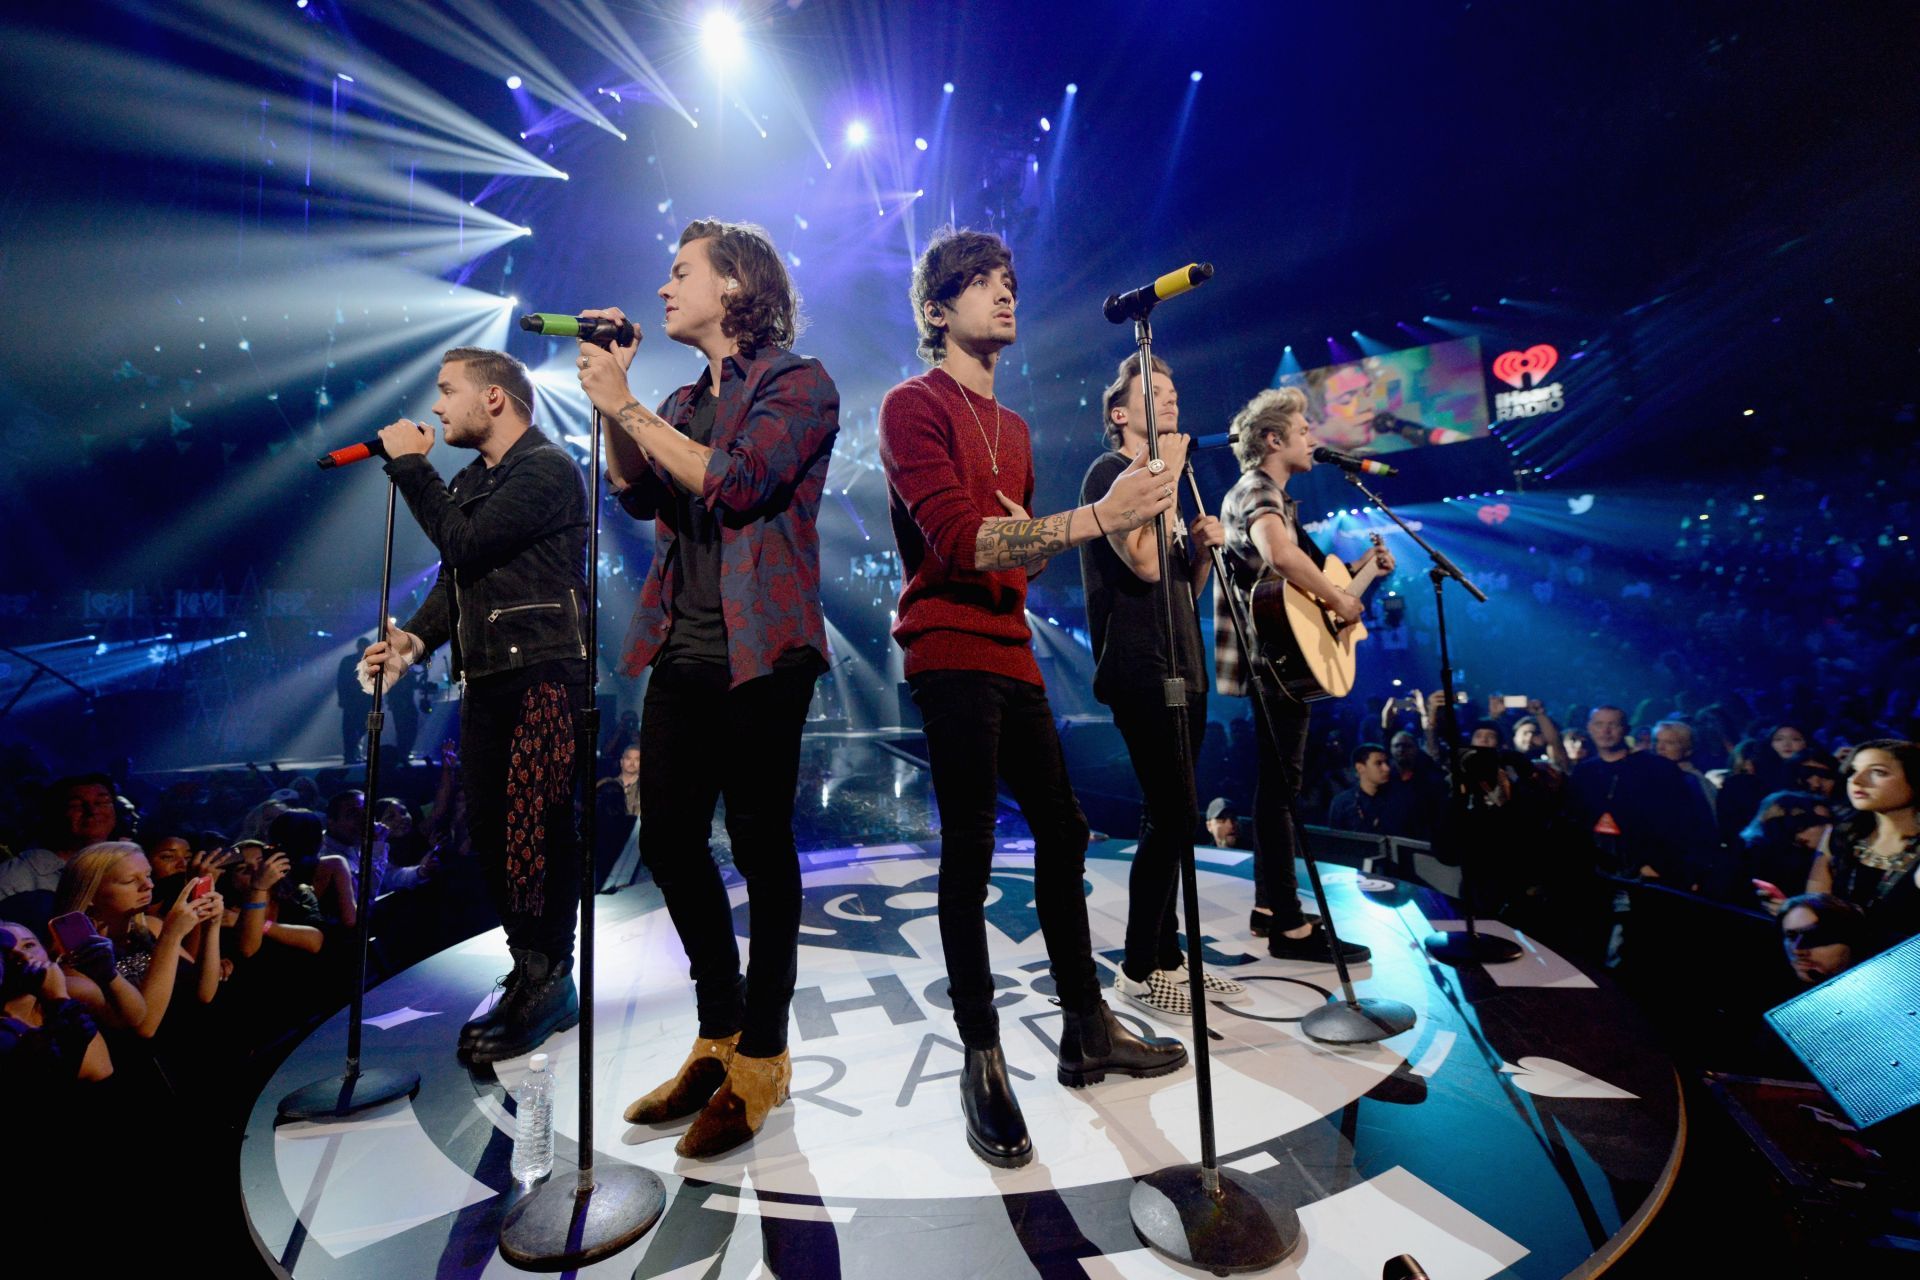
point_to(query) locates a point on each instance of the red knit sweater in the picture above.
(940, 486)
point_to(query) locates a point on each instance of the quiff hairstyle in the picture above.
(1115, 395)
(953, 258)
(490, 368)
(763, 309)
(1271, 410)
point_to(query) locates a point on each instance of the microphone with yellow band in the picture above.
(1135, 303)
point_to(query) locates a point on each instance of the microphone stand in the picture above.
(1470, 945)
(1198, 1214)
(356, 1089)
(1350, 1019)
(563, 1225)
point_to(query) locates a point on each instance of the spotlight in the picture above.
(1195, 77)
(1046, 125)
(513, 82)
(721, 40)
(919, 144)
(299, 4)
(858, 134)
(1072, 89)
(947, 87)
(1746, 413)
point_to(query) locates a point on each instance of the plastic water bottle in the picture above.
(533, 1132)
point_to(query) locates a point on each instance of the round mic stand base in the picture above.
(1365, 1020)
(343, 1095)
(570, 1222)
(1471, 948)
(1214, 1219)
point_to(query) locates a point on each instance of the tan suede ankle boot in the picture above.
(738, 1109)
(690, 1087)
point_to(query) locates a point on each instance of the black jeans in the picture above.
(1274, 796)
(700, 740)
(1167, 821)
(520, 815)
(982, 728)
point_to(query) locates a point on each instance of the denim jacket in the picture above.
(513, 551)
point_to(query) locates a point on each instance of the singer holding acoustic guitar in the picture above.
(1273, 442)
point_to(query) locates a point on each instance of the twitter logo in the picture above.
(1580, 505)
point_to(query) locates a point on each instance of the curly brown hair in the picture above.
(764, 311)
(952, 259)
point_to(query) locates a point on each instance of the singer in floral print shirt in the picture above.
(730, 471)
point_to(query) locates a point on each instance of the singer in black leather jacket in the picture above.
(513, 549)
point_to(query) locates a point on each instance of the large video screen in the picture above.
(1400, 400)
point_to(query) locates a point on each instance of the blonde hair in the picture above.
(80, 879)
(1271, 410)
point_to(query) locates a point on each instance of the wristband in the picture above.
(254, 906)
(1094, 510)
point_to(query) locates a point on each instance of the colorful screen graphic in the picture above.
(1399, 400)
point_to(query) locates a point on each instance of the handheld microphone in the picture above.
(595, 329)
(355, 453)
(1131, 305)
(1347, 462)
(1404, 1267)
(352, 453)
(1418, 432)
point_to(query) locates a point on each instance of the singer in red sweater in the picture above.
(960, 475)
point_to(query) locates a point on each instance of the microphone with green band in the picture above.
(598, 330)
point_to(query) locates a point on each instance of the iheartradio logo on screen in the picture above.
(1512, 367)
(1523, 371)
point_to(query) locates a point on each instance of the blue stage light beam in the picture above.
(597, 26)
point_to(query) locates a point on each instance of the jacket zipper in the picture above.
(521, 608)
(578, 633)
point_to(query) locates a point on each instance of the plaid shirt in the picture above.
(773, 438)
(1254, 495)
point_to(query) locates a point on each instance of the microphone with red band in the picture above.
(355, 453)
(1347, 462)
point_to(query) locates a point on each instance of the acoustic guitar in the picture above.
(1309, 651)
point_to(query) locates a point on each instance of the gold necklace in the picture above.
(993, 447)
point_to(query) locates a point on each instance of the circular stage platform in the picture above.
(1527, 1125)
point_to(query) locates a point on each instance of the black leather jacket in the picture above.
(513, 550)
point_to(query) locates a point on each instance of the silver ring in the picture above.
(1166, 491)
(582, 362)
(1156, 465)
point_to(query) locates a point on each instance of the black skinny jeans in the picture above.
(1274, 796)
(489, 719)
(700, 740)
(1167, 821)
(982, 728)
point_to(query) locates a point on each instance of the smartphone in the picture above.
(1515, 702)
(200, 889)
(1461, 697)
(72, 930)
(1771, 892)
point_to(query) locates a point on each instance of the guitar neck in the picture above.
(1364, 579)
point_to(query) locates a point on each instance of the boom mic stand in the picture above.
(356, 1089)
(1350, 1019)
(1470, 945)
(564, 1225)
(1198, 1214)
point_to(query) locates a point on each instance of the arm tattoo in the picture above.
(1010, 543)
(631, 415)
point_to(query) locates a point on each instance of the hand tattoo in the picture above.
(1011, 543)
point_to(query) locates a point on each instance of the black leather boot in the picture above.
(544, 1002)
(1094, 1043)
(471, 1030)
(996, 1130)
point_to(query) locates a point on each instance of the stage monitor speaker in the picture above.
(1859, 1034)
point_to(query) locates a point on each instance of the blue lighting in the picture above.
(1195, 77)
(1073, 88)
(513, 82)
(947, 87)
(1046, 125)
(858, 134)
(919, 144)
